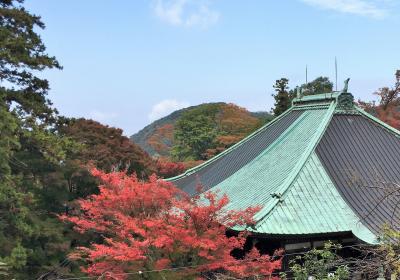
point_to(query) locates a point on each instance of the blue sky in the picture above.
(127, 63)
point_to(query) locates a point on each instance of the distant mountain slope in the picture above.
(157, 138)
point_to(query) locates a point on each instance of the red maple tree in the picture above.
(143, 226)
(168, 169)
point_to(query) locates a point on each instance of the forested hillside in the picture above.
(51, 168)
(230, 123)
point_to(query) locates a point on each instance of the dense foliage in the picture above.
(37, 157)
(283, 98)
(318, 85)
(107, 148)
(207, 130)
(168, 169)
(158, 137)
(389, 250)
(147, 226)
(388, 108)
(319, 264)
(284, 95)
(29, 148)
(195, 132)
(44, 161)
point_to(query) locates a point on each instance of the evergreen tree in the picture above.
(282, 97)
(318, 85)
(31, 238)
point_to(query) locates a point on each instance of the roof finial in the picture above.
(335, 74)
(346, 85)
(298, 92)
(306, 74)
(346, 99)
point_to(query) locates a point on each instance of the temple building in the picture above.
(322, 170)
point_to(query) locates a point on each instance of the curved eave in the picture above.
(312, 205)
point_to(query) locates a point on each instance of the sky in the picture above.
(127, 63)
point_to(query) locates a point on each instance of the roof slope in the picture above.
(273, 170)
(227, 163)
(298, 170)
(312, 206)
(363, 159)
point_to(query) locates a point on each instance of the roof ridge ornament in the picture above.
(346, 99)
(346, 85)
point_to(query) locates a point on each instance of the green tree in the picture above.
(282, 96)
(321, 264)
(195, 132)
(318, 85)
(30, 149)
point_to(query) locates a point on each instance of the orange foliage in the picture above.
(153, 225)
(237, 120)
(161, 140)
(235, 123)
(391, 115)
(388, 109)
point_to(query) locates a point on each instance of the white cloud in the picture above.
(165, 107)
(102, 117)
(369, 8)
(187, 13)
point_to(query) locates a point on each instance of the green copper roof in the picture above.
(317, 97)
(288, 178)
(280, 169)
(272, 171)
(313, 205)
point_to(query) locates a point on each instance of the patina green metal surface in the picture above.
(312, 205)
(204, 164)
(273, 171)
(287, 179)
(316, 97)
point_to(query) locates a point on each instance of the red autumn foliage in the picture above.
(388, 109)
(168, 169)
(107, 148)
(390, 115)
(152, 225)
